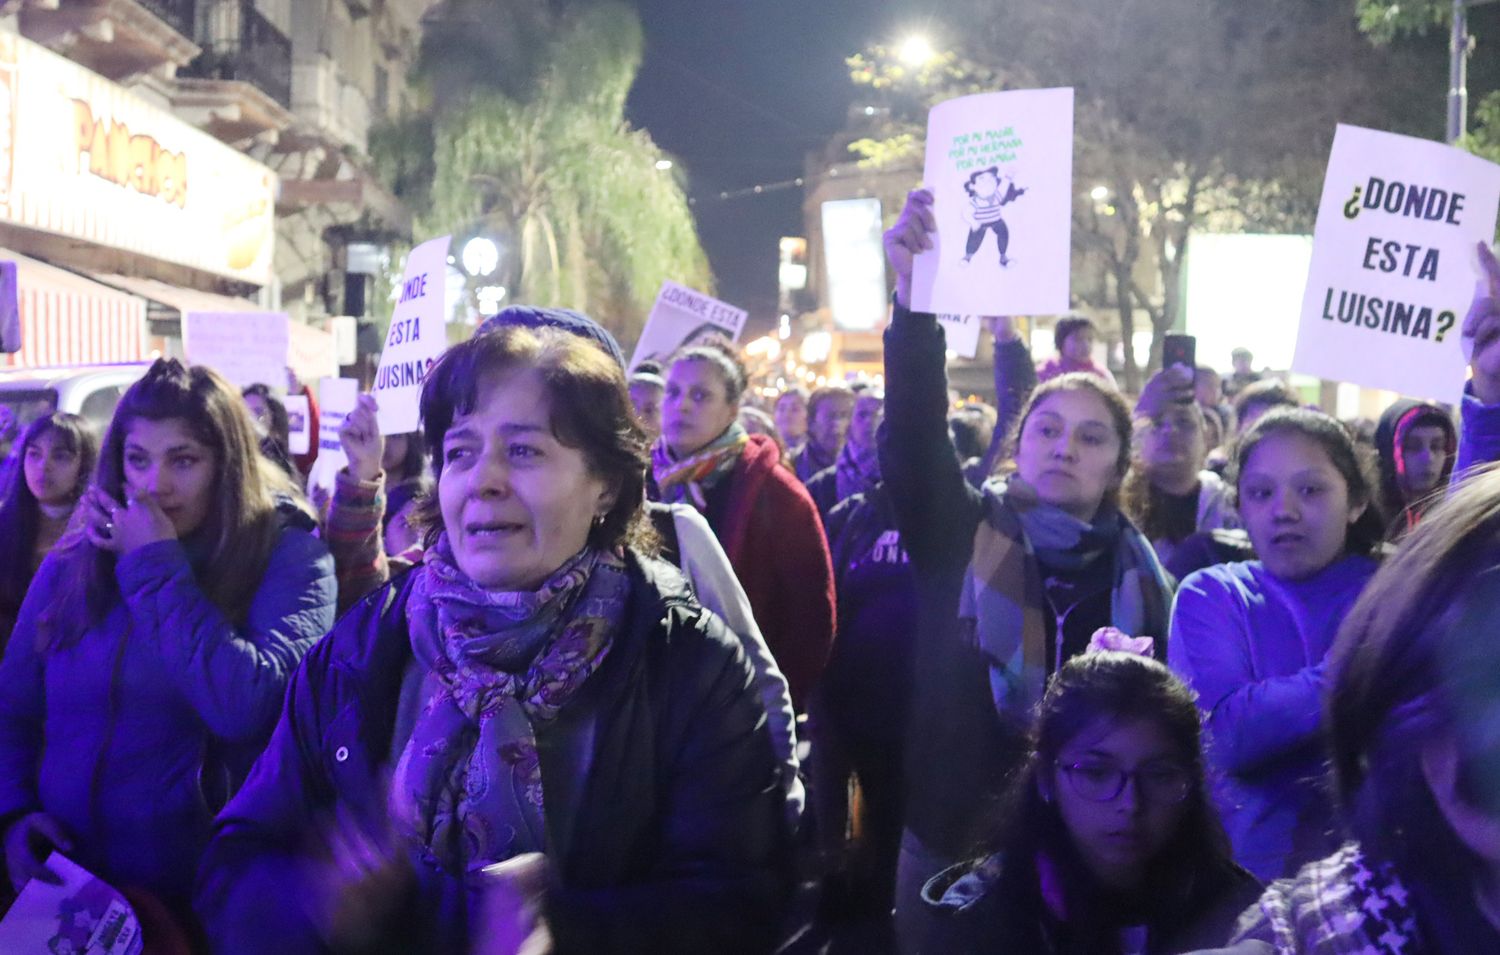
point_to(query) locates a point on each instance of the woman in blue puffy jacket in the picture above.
(150, 656)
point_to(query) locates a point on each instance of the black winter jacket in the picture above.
(674, 841)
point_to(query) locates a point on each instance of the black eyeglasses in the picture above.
(1103, 782)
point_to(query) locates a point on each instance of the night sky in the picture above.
(741, 91)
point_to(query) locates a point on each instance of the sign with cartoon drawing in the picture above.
(1000, 167)
(683, 317)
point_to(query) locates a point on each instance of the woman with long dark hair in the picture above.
(57, 454)
(152, 653)
(1110, 843)
(1252, 637)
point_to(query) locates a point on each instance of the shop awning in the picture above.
(312, 350)
(67, 319)
(178, 299)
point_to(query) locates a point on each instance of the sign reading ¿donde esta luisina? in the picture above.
(416, 338)
(1394, 263)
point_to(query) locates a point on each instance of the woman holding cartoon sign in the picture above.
(1014, 579)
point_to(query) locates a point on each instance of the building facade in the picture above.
(198, 154)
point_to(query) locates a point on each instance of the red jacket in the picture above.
(775, 542)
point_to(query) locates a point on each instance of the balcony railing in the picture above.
(179, 13)
(261, 55)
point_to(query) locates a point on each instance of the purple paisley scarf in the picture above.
(468, 786)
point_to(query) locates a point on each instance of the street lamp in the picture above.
(1099, 193)
(916, 51)
(1458, 69)
(481, 256)
(662, 165)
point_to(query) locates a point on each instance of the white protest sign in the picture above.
(245, 347)
(336, 398)
(1394, 263)
(962, 332)
(1000, 167)
(681, 317)
(81, 913)
(299, 424)
(416, 339)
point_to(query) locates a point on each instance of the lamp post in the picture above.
(1458, 69)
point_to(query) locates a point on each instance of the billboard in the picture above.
(855, 263)
(1245, 291)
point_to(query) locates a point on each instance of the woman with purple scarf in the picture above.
(537, 737)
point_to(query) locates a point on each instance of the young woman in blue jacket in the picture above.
(150, 657)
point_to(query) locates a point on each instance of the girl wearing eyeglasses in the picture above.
(1110, 845)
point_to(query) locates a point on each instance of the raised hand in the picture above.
(1002, 327)
(911, 234)
(362, 883)
(512, 895)
(122, 528)
(28, 843)
(1170, 386)
(363, 443)
(1481, 329)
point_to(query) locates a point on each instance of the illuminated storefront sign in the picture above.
(88, 159)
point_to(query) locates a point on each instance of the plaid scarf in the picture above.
(1345, 904)
(468, 786)
(1002, 607)
(693, 477)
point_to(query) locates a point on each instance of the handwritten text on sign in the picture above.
(416, 338)
(1392, 264)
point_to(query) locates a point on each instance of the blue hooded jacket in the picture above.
(131, 736)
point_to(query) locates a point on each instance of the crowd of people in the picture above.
(619, 661)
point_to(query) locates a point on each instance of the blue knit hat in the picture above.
(577, 323)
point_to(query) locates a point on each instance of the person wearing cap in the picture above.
(1244, 374)
(646, 387)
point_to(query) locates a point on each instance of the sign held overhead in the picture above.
(1393, 263)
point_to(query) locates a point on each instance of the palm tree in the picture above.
(595, 225)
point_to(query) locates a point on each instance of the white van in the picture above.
(88, 390)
